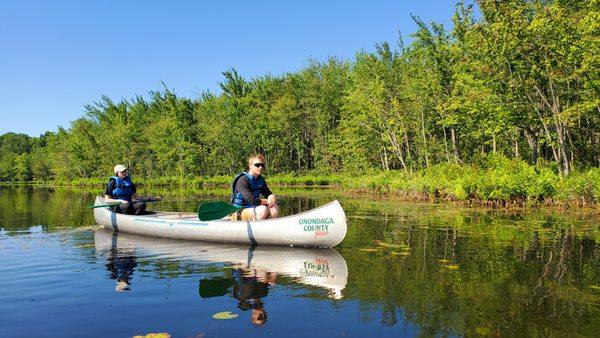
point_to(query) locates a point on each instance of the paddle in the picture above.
(215, 210)
(148, 199)
(103, 205)
(210, 211)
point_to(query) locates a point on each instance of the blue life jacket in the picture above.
(256, 185)
(124, 189)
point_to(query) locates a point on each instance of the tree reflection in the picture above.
(475, 276)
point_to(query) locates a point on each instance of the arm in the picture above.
(134, 196)
(109, 199)
(271, 200)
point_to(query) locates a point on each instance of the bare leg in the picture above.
(261, 212)
(256, 213)
(273, 212)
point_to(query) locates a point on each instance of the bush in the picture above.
(581, 187)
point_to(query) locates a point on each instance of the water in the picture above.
(403, 270)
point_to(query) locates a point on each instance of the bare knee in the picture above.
(262, 212)
(273, 212)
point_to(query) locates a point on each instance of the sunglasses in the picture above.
(259, 165)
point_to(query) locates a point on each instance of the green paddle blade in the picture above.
(215, 210)
(103, 205)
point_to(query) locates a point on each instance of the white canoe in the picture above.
(324, 226)
(321, 267)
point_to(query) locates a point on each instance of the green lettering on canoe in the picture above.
(316, 223)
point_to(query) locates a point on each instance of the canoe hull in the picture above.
(321, 227)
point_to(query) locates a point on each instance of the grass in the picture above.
(496, 180)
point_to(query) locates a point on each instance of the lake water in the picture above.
(404, 269)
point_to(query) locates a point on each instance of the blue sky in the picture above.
(57, 56)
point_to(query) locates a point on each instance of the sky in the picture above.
(58, 56)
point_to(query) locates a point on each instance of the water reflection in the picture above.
(456, 276)
(250, 287)
(415, 269)
(120, 263)
(253, 268)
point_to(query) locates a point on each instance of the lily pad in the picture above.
(595, 287)
(225, 315)
(155, 335)
(451, 266)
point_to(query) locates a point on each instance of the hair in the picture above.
(260, 320)
(259, 156)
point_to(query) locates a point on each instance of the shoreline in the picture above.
(381, 189)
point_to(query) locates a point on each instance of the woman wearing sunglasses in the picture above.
(247, 189)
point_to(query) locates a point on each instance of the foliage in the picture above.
(504, 105)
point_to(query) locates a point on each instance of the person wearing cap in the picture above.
(121, 264)
(247, 189)
(121, 189)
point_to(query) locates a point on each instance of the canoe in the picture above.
(321, 267)
(324, 226)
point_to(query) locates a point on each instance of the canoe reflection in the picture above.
(254, 267)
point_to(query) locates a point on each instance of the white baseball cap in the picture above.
(119, 167)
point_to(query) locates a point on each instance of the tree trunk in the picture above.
(384, 160)
(397, 147)
(407, 143)
(533, 144)
(424, 139)
(446, 145)
(554, 107)
(453, 134)
(547, 133)
(517, 145)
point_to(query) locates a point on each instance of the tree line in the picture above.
(517, 78)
